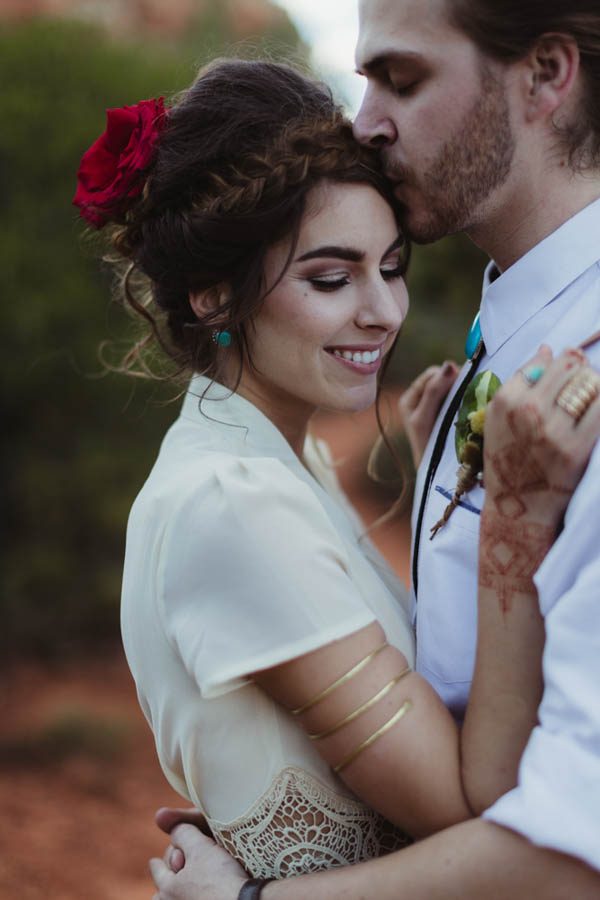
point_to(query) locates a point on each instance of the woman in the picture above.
(270, 644)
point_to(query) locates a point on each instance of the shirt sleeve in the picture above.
(253, 574)
(557, 801)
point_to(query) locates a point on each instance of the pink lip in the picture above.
(356, 348)
(363, 368)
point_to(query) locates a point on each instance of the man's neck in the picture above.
(511, 229)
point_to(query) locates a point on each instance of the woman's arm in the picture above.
(535, 454)
(413, 773)
(507, 682)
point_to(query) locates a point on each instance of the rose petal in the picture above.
(112, 169)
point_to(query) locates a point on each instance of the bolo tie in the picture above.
(474, 350)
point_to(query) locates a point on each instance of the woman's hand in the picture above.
(535, 452)
(420, 404)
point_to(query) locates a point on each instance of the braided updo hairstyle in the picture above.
(240, 152)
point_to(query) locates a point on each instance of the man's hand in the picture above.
(167, 818)
(209, 871)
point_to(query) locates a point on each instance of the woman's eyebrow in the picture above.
(346, 253)
(350, 254)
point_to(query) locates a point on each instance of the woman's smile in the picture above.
(362, 359)
(343, 295)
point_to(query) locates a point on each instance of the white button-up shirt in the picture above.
(552, 296)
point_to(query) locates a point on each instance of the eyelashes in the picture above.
(397, 272)
(329, 284)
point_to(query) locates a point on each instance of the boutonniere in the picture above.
(468, 439)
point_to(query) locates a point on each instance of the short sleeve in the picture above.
(253, 574)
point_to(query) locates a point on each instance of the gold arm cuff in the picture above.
(406, 706)
(363, 708)
(340, 681)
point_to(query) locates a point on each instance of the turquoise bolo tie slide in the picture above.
(473, 338)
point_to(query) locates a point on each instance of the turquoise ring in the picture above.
(532, 374)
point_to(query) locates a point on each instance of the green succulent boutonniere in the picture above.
(469, 439)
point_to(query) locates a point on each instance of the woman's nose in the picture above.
(384, 305)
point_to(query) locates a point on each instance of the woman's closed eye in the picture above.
(335, 281)
(330, 282)
(394, 269)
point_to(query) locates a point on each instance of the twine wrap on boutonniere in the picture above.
(469, 439)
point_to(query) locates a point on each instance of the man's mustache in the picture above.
(396, 173)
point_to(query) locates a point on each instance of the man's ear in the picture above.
(209, 301)
(550, 76)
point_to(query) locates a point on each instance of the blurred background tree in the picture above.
(78, 442)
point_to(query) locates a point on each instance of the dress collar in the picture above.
(511, 299)
(235, 419)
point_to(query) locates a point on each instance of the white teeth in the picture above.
(366, 357)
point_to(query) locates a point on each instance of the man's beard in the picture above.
(473, 162)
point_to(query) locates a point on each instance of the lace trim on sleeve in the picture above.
(299, 825)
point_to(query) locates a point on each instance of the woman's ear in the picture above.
(209, 301)
(550, 76)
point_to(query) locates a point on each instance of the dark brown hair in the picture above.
(241, 150)
(508, 29)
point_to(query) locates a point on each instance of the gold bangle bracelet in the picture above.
(362, 708)
(340, 681)
(371, 740)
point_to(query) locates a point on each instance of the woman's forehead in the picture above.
(347, 213)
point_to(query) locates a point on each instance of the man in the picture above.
(486, 113)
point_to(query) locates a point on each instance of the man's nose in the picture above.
(372, 126)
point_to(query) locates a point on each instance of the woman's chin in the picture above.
(352, 402)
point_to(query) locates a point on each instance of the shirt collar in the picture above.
(234, 418)
(511, 299)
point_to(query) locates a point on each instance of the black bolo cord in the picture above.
(436, 455)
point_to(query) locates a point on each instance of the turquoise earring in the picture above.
(222, 338)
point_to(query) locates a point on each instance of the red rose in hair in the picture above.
(111, 171)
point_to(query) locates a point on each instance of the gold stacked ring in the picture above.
(579, 393)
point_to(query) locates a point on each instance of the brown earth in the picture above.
(80, 779)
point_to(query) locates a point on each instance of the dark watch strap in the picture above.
(251, 889)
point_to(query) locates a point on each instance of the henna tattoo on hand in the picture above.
(517, 472)
(510, 554)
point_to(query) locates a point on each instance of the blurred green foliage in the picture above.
(77, 442)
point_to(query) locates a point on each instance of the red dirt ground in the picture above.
(79, 792)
